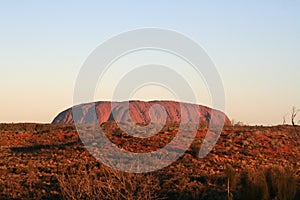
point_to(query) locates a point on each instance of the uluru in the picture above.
(140, 112)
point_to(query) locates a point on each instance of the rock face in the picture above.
(141, 112)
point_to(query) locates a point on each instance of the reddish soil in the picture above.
(32, 156)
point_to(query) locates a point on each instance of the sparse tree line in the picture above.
(294, 113)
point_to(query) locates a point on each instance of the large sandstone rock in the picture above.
(140, 112)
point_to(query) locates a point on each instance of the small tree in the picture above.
(231, 179)
(284, 119)
(294, 114)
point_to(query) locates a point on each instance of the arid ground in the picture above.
(44, 161)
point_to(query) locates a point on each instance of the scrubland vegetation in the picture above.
(41, 161)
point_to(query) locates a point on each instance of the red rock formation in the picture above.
(140, 112)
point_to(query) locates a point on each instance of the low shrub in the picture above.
(272, 183)
(106, 183)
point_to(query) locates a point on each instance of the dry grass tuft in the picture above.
(107, 183)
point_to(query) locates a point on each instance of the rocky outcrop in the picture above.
(140, 112)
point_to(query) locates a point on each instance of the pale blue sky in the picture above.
(254, 44)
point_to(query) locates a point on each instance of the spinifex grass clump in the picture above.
(272, 183)
(281, 183)
(107, 183)
(253, 185)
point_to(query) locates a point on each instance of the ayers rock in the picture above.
(103, 111)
